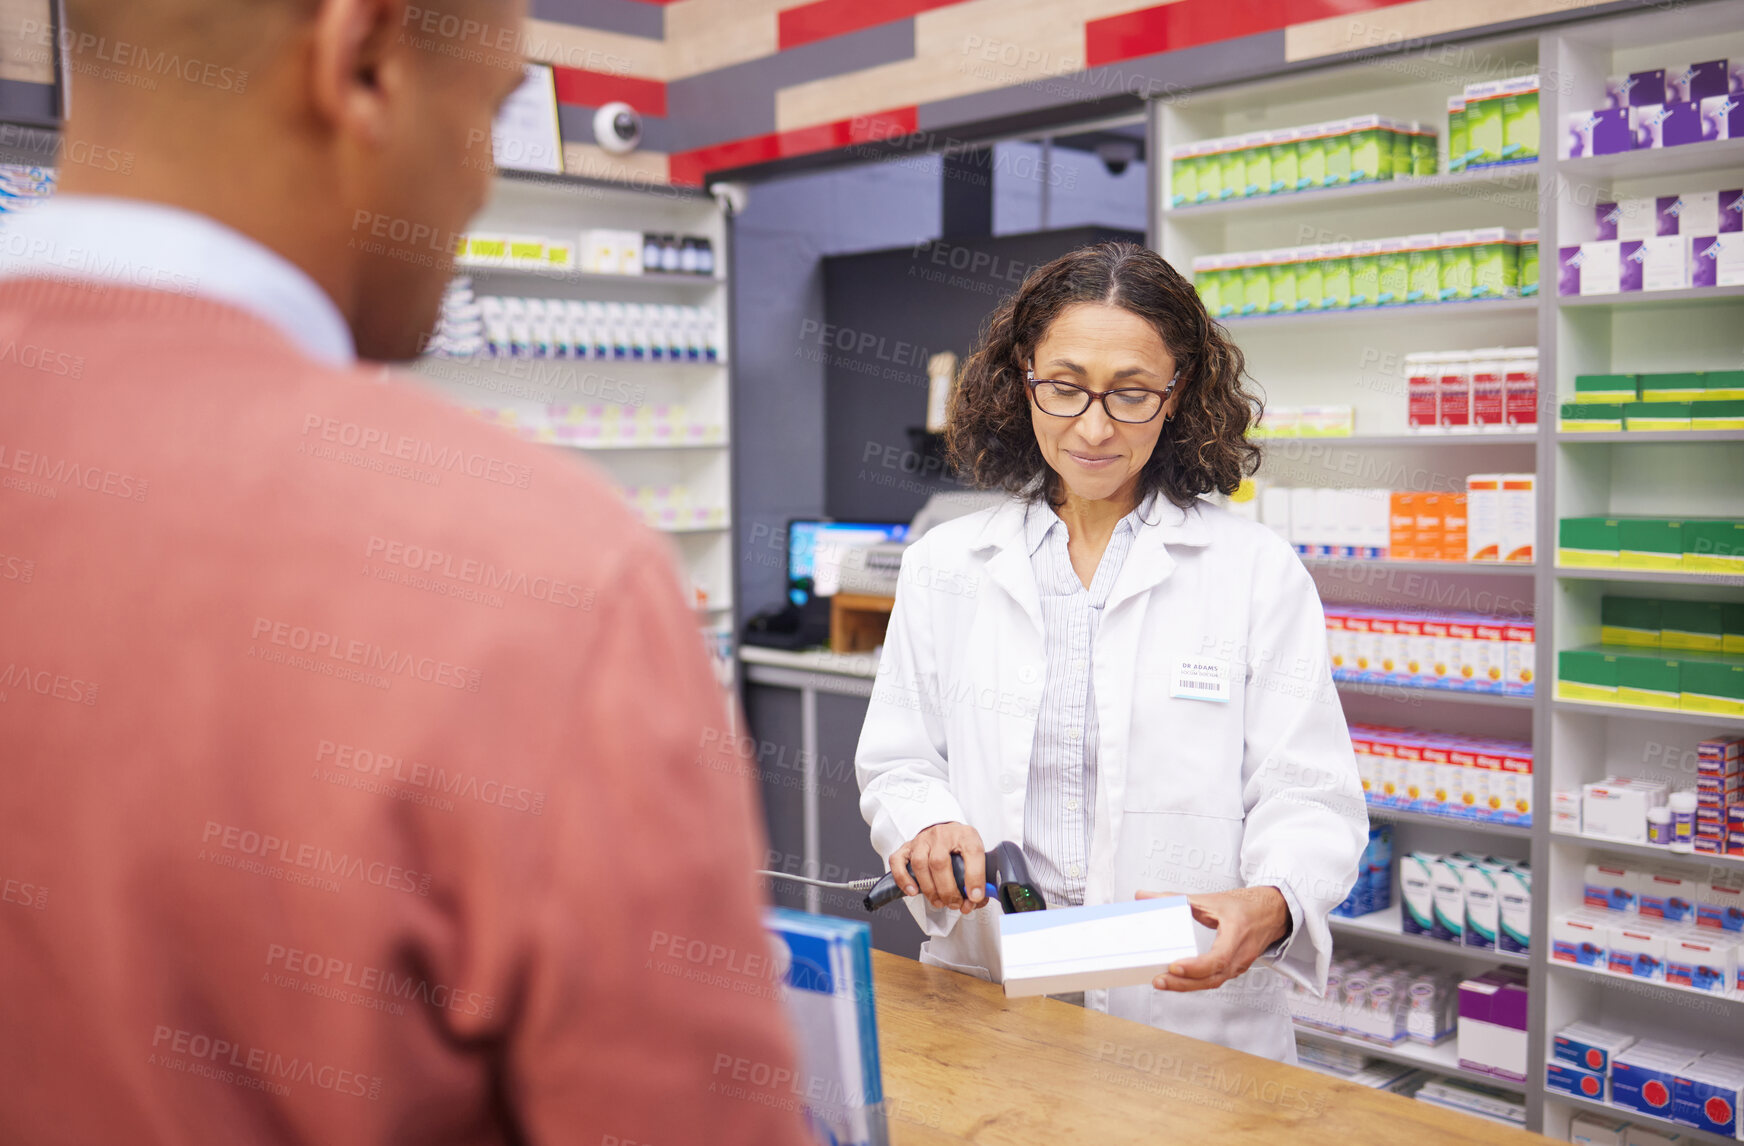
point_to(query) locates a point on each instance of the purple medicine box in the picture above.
(1492, 1023)
(1604, 131)
(1698, 81)
(1731, 211)
(1683, 124)
(1647, 87)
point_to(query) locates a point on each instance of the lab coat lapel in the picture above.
(1010, 567)
(1149, 562)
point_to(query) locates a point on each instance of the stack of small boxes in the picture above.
(1693, 400)
(1719, 828)
(1684, 1084)
(1444, 773)
(1467, 900)
(1673, 544)
(1382, 1001)
(1654, 924)
(1485, 391)
(1461, 652)
(1492, 122)
(1661, 107)
(1492, 1023)
(1666, 242)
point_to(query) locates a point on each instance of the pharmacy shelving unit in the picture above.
(561, 207)
(1355, 357)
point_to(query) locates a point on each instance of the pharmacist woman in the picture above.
(1126, 680)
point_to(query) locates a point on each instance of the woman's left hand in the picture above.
(1247, 921)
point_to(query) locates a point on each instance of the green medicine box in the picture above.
(1711, 683)
(1520, 118)
(1392, 272)
(1590, 542)
(1650, 681)
(1403, 139)
(1591, 417)
(1722, 415)
(1457, 139)
(1527, 262)
(1493, 270)
(1207, 282)
(1695, 626)
(1256, 288)
(1424, 160)
(1257, 164)
(1337, 146)
(1649, 543)
(1335, 276)
(1656, 416)
(1672, 387)
(1282, 146)
(1455, 269)
(1371, 150)
(1607, 388)
(1310, 287)
(1311, 158)
(1732, 626)
(1483, 124)
(1422, 268)
(1587, 674)
(1629, 621)
(1723, 385)
(1208, 176)
(1713, 546)
(1183, 176)
(1365, 274)
(1232, 172)
(1282, 299)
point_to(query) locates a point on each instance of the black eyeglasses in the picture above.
(1132, 405)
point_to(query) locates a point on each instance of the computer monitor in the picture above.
(814, 553)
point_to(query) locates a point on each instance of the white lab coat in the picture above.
(1191, 795)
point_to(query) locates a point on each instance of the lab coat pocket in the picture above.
(1180, 851)
(1184, 756)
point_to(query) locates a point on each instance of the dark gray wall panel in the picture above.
(631, 17)
(738, 102)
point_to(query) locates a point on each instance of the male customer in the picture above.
(362, 769)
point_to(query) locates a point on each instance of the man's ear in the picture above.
(353, 64)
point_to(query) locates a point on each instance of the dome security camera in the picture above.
(1117, 155)
(617, 127)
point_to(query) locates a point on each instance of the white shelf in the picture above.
(862, 665)
(722, 528)
(1637, 300)
(1715, 721)
(1409, 441)
(1434, 311)
(1485, 181)
(1655, 576)
(1648, 851)
(483, 360)
(661, 280)
(1383, 926)
(1403, 692)
(609, 447)
(1401, 816)
(1509, 568)
(1611, 437)
(1721, 997)
(1443, 1059)
(1689, 1133)
(1715, 155)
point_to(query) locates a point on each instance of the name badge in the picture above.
(1200, 680)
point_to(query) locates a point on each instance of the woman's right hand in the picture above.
(929, 854)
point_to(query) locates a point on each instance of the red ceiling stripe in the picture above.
(1189, 23)
(689, 167)
(822, 19)
(592, 89)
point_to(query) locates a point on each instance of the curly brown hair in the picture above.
(1202, 447)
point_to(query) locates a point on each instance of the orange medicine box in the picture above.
(1453, 527)
(1402, 525)
(1428, 537)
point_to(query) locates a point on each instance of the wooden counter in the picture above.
(964, 1064)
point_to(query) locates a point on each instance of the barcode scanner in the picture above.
(1009, 874)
